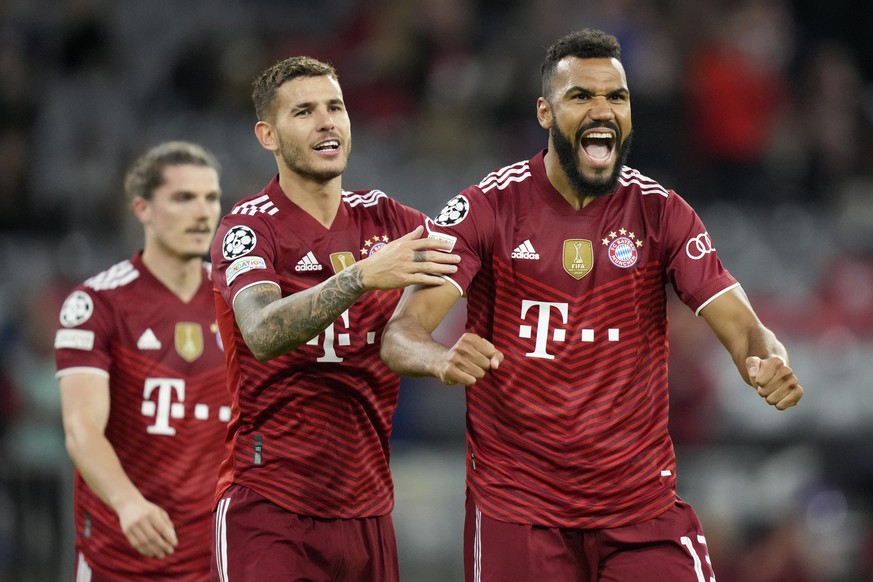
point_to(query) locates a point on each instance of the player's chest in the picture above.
(572, 252)
(307, 260)
(182, 339)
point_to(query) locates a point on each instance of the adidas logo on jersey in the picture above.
(525, 251)
(148, 341)
(308, 263)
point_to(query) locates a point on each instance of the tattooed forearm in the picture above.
(272, 326)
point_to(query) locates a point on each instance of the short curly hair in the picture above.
(584, 44)
(146, 174)
(266, 84)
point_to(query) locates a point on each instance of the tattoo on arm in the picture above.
(273, 325)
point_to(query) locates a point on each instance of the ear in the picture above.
(544, 113)
(266, 136)
(141, 209)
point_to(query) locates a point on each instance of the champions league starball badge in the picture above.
(454, 212)
(238, 241)
(77, 309)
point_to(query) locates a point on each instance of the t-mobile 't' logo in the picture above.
(542, 314)
(165, 407)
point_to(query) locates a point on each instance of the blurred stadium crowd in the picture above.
(758, 112)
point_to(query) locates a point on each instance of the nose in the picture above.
(325, 120)
(601, 110)
(205, 207)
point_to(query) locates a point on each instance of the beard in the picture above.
(295, 160)
(568, 156)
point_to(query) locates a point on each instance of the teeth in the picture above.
(327, 144)
(599, 135)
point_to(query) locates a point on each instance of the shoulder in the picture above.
(118, 275)
(502, 178)
(645, 196)
(257, 205)
(101, 289)
(366, 198)
(376, 201)
(248, 222)
(638, 184)
(509, 180)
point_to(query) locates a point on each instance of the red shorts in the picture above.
(668, 547)
(258, 541)
(151, 570)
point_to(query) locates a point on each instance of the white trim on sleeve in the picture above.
(235, 295)
(81, 370)
(711, 299)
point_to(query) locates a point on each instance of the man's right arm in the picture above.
(272, 325)
(85, 411)
(409, 349)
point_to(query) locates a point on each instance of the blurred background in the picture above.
(758, 112)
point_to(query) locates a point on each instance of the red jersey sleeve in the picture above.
(466, 221)
(243, 254)
(692, 263)
(85, 335)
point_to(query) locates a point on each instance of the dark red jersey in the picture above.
(571, 430)
(310, 429)
(168, 414)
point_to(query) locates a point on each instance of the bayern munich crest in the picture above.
(373, 245)
(622, 248)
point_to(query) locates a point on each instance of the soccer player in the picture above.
(142, 380)
(306, 276)
(571, 472)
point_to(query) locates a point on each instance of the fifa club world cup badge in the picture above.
(578, 257)
(341, 261)
(189, 340)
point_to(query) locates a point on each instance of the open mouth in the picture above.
(598, 144)
(330, 145)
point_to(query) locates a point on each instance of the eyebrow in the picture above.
(577, 89)
(311, 104)
(187, 192)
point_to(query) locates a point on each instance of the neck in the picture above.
(559, 180)
(319, 199)
(181, 276)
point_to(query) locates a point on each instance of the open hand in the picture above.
(409, 260)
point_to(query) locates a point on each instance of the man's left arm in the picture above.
(759, 356)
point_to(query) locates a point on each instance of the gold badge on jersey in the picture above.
(578, 257)
(189, 340)
(341, 261)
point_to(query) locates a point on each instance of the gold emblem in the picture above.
(578, 257)
(341, 261)
(189, 340)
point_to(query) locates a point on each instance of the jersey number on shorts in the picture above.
(698, 566)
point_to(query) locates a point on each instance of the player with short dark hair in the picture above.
(141, 375)
(306, 276)
(571, 472)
